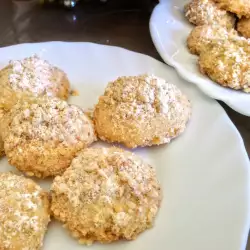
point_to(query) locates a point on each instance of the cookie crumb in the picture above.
(74, 92)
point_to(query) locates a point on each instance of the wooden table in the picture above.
(109, 24)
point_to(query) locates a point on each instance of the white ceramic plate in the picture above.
(204, 173)
(169, 30)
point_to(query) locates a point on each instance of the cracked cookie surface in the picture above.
(105, 195)
(42, 135)
(24, 213)
(141, 111)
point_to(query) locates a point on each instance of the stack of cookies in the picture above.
(242, 10)
(220, 39)
(99, 194)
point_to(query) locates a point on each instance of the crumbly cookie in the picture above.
(8, 98)
(42, 135)
(105, 195)
(31, 76)
(24, 213)
(228, 65)
(239, 7)
(200, 12)
(203, 37)
(243, 27)
(141, 111)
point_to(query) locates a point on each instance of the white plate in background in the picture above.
(169, 31)
(204, 173)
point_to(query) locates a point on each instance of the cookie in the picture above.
(24, 213)
(31, 76)
(203, 37)
(239, 7)
(200, 12)
(141, 111)
(228, 65)
(105, 195)
(42, 135)
(243, 27)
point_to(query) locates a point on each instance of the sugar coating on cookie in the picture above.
(243, 26)
(203, 37)
(228, 65)
(239, 7)
(42, 135)
(200, 12)
(105, 195)
(141, 110)
(24, 213)
(8, 98)
(32, 76)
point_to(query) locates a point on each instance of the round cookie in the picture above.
(243, 27)
(200, 12)
(228, 65)
(32, 76)
(141, 111)
(42, 135)
(239, 7)
(203, 37)
(24, 213)
(105, 195)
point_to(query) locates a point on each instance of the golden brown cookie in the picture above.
(239, 7)
(203, 37)
(200, 12)
(243, 27)
(31, 76)
(141, 111)
(8, 98)
(228, 65)
(41, 136)
(105, 195)
(24, 213)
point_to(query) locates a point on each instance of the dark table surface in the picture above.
(124, 25)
